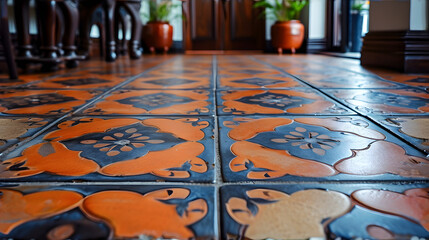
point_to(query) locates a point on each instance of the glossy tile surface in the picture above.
(291, 101)
(154, 102)
(214, 147)
(336, 148)
(186, 73)
(413, 129)
(325, 211)
(104, 212)
(385, 101)
(123, 148)
(244, 72)
(43, 102)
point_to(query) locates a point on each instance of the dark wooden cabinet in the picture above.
(223, 25)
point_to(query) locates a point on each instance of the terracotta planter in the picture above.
(287, 35)
(158, 35)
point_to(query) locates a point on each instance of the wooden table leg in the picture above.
(133, 8)
(71, 16)
(48, 51)
(109, 10)
(22, 21)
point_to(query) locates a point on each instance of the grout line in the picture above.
(304, 82)
(217, 186)
(321, 91)
(125, 82)
(368, 74)
(218, 181)
(59, 118)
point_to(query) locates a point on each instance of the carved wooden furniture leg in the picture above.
(293, 50)
(86, 9)
(21, 10)
(5, 38)
(109, 10)
(46, 18)
(120, 23)
(71, 16)
(133, 8)
(59, 30)
(280, 51)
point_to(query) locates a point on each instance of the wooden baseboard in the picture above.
(313, 45)
(405, 51)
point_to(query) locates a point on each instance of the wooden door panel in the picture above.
(244, 29)
(203, 21)
(223, 25)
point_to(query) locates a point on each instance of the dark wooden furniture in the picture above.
(132, 7)
(405, 51)
(223, 25)
(86, 10)
(57, 27)
(5, 40)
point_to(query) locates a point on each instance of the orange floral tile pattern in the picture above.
(242, 72)
(295, 101)
(329, 147)
(154, 102)
(143, 137)
(42, 102)
(169, 212)
(181, 73)
(320, 75)
(385, 101)
(119, 148)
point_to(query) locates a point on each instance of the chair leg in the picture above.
(22, 20)
(7, 45)
(109, 10)
(133, 9)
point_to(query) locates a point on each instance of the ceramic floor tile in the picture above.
(43, 102)
(325, 211)
(385, 101)
(314, 148)
(335, 75)
(5, 81)
(107, 212)
(154, 102)
(14, 130)
(292, 101)
(117, 149)
(344, 80)
(86, 80)
(243, 72)
(413, 129)
(180, 73)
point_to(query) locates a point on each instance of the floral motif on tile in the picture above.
(187, 102)
(275, 102)
(116, 147)
(43, 102)
(395, 101)
(269, 148)
(69, 214)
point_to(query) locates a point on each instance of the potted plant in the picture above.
(287, 32)
(157, 32)
(358, 8)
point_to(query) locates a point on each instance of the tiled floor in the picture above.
(215, 147)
